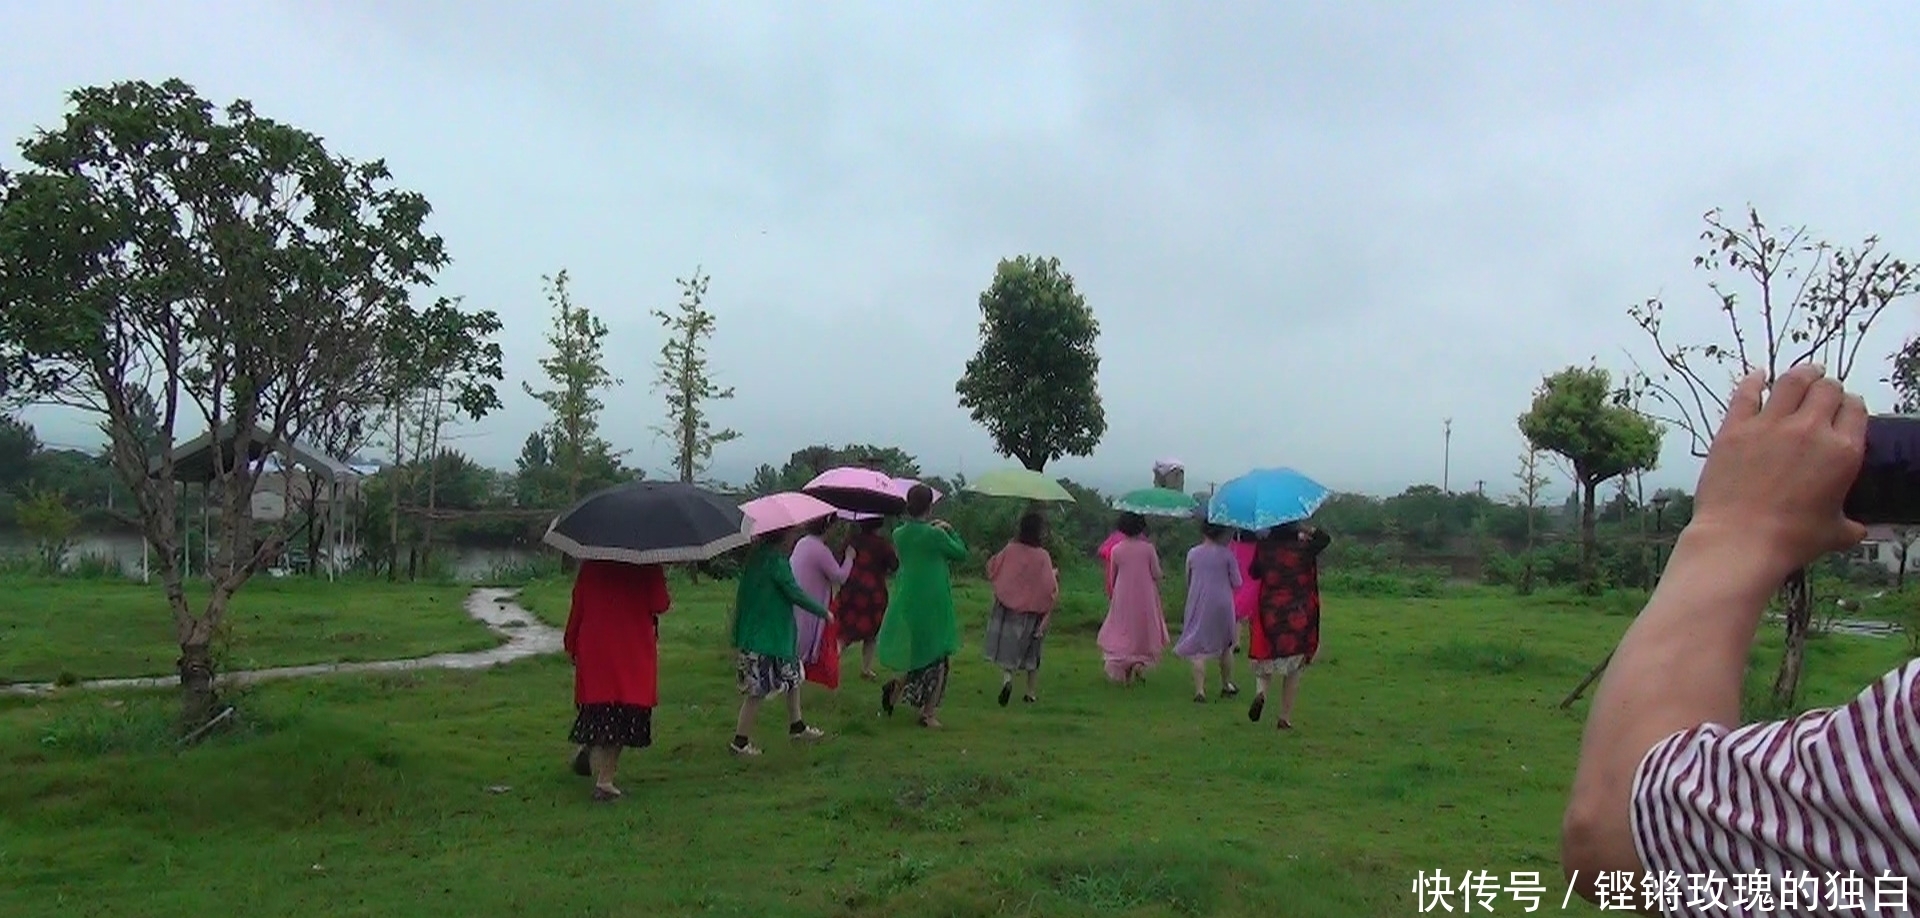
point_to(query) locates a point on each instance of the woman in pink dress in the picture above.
(1135, 632)
(1246, 597)
(818, 572)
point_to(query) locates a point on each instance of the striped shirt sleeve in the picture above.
(1830, 792)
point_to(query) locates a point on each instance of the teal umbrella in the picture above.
(1158, 502)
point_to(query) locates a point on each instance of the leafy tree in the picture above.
(225, 263)
(1804, 300)
(687, 382)
(18, 444)
(806, 463)
(1577, 414)
(1532, 481)
(578, 372)
(1034, 383)
(45, 517)
(1903, 539)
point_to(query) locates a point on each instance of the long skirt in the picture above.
(760, 676)
(628, 725)
(926, 687)
(1013, 641)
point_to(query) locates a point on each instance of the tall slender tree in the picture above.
(686, 380)
(577, 369)
(1034, 383)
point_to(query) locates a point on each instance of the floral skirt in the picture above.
(760, 675)
(1282, 667)
(628, 725)
(926, 687)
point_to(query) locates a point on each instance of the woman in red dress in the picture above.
(613, 638)
(1285, 632)
(862, 601)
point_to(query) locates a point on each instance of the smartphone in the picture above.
(1887, 492)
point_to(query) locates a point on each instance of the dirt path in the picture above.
(526, 636)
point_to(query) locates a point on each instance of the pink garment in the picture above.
(817, 572)
(1135, 631)
(1106, 557)
(1024, 579)
(1246, 598)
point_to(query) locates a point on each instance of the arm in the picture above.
(1234, 580)
(951, 547)
(790, 589)
(1317, 542)
(1153, 565)
(837, 571)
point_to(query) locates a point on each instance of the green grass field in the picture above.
(92, 629)
(1426, 738)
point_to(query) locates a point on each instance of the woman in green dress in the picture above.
(767, 662)
(920, 634)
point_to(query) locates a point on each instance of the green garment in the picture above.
(920, 627)
(763, 606)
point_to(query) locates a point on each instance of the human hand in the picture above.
(1776, 476)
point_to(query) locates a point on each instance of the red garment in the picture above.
(612, 633)
(861, 603)
(826, 670)
(1287, 623)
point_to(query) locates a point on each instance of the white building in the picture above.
(1882, 546)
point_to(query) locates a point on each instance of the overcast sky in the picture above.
(1310, 231)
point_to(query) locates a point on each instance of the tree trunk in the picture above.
(1589, 578)
(1799, 601)
(197, 695)
(393, 498)
(1526, 565)
(433, 481)
(1900, 576)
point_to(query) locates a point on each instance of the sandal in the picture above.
(1259, 705)
(1229, 690)
(606, 794)
(1284, 724)
(747, 750)
(1200, 698)
(1029, 699)
(1006, 693)
(931, 723)
(886, 696)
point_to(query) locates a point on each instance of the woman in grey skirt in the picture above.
(1026, 586)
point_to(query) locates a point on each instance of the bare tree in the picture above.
(1804, 300)
(1532, 479)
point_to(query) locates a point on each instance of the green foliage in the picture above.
(570, 444)
(1033, 384)
(687, 381)
(806, 463)
(45, 516)
(1579, 415)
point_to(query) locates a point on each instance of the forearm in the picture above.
(1680, 664)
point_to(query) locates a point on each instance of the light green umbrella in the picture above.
(1158, 502)
(1022, 483)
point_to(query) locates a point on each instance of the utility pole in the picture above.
(1446, 455)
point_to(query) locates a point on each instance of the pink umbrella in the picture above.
(857, 490)
(903, 484)
(784, 510)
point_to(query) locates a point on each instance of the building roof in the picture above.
(193, 461)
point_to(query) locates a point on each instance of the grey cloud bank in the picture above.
(1418, 209)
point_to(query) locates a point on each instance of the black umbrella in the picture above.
(650, 522)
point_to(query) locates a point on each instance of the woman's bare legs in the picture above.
(1199, 679)
(1227, 688)
(743, 727)
(1033, 684)
(606, 763)
(1289, 690)
(1260, 683)
(866, 659)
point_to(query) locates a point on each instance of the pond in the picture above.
(126, 551)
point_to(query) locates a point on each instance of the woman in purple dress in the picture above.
(817, 572)
(1213, 574)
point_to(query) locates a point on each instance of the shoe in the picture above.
(1259, 704)
(747, 750)
(886, 696)
(1029, 699)
(581, 766)
(1200, 698)
(1284, 724)
(1006, 693)
(606, 794)
(807, 735)
(1229, 690)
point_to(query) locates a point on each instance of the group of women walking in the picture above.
(798, 604)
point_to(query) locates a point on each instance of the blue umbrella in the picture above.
(1264, 498)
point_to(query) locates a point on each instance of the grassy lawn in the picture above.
(1426, 738)
(54, 629)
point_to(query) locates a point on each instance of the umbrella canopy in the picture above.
(650, 522)
(1157, 502)
(858, 490)
(784, 510)
(1022, 483)
(1264, 498)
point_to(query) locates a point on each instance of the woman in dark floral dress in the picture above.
(861, 604)
(1285, 632)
